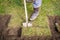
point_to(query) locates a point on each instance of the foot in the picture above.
(29, 1)
(34, 16)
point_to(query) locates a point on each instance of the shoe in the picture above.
(29, 1)
(34, 16)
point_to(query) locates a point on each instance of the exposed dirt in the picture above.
(33, 38)
(53, 27)
(4, 20)
(5, 32)
(54, 23)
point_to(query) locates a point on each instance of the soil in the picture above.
(4, 20)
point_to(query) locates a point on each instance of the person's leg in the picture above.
(35, 14)
(36, 5)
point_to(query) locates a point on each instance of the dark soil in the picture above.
(4, 20)
(53, 27)
(52, 23)
(5, 32)
(33, 38)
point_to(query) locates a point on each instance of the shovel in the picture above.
(26, 24)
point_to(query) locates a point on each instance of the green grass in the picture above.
(40, 25)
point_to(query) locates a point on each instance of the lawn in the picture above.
(15, 8)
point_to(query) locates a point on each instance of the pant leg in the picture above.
(37, 3)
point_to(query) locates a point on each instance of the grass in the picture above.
(40, 25)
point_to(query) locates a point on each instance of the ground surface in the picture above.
(15, 34)
(40, 25)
